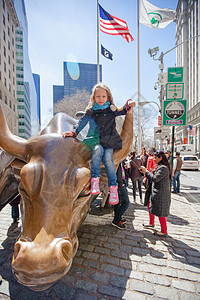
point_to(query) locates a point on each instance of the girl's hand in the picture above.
(131, 103)
(67, 133)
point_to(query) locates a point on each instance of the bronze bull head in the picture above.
(55, 190)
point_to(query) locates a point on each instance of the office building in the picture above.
(8, 88)
(188, 56)
(31, 96)
(36, 78)
(23, 91)
(76, 76)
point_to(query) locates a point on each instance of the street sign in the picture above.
(174, 112)
(174, 91)
(175, 74)
(161, 133)
(157, 133)
(159, 120)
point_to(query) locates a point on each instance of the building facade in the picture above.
(76, 76)
(188, 56)
(23, 91)
(8, 87)
(31, 96)
(36, 78)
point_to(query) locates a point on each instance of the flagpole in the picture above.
(98, 71)
(139, 107)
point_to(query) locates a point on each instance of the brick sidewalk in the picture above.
(120, 264)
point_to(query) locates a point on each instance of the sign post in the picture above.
(174, 107)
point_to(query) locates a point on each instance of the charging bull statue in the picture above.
(55, 192)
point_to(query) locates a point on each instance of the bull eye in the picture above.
(31, 179)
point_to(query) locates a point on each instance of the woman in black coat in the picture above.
(158, 193)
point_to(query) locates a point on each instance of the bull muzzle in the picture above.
(37, 267)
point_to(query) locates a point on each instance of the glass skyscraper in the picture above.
(77, 76)
(28, 76)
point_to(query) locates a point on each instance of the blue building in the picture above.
(77, 76)
(36, 78)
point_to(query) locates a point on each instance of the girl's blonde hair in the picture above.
(102, 86)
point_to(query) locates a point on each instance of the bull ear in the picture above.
(11, 143)
(127, 138)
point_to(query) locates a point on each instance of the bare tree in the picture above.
(73, 103)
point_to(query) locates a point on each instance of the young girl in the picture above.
(103, 111)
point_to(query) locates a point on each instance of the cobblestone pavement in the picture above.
(120, 264)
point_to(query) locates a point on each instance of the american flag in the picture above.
(112, 25)
(192, 130)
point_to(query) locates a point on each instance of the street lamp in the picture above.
(149, 102)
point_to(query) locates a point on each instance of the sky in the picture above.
(61, 29)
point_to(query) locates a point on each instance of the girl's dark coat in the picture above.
(105, 120)
(160, 196)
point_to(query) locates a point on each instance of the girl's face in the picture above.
(100, 96)
(157, 159)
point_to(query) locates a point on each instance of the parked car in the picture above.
(198, 155)
(190, 162)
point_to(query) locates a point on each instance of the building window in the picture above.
(13, 93)
(9, 74)
(4, 22)
(14, 107)
(9, 31)
(13, 55)
(8, 17)
(13, 43)
(13, 67)
(9, 87)
(10, 104)
(12, 28)
(9, 59)
(0, 95)
(4, 81)
(4, 51)
(4, 67)
(14, 80)
(4, 36)
(5, 99)
(8, 45)
(4, 4)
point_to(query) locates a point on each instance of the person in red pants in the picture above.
(158, 196)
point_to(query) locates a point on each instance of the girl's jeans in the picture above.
(107, 154)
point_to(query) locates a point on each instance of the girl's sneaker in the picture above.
(94, 186)
(114, 198)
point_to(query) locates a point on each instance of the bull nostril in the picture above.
(16, 250)
(66, 250)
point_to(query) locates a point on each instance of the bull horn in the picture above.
(11, 143)
(127, 139)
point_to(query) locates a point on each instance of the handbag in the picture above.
(147, 193)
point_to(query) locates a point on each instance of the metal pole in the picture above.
(161, 96)
(139, 107)
(98, 69)
(172, 156)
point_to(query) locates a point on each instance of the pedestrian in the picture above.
(126, 166)
(15, 209)
(136, 175)
(150, 164)
(100, 115)
(144, 157)
(123, 204)
(177, 164)
(158, 196)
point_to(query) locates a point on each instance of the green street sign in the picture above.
(175, 74)
(174, 112)
(175, 91)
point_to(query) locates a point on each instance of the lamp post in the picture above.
(142, 103)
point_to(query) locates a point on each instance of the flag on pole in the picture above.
(106, 53)
(192, 130)
(112, 25)
(155, 17)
